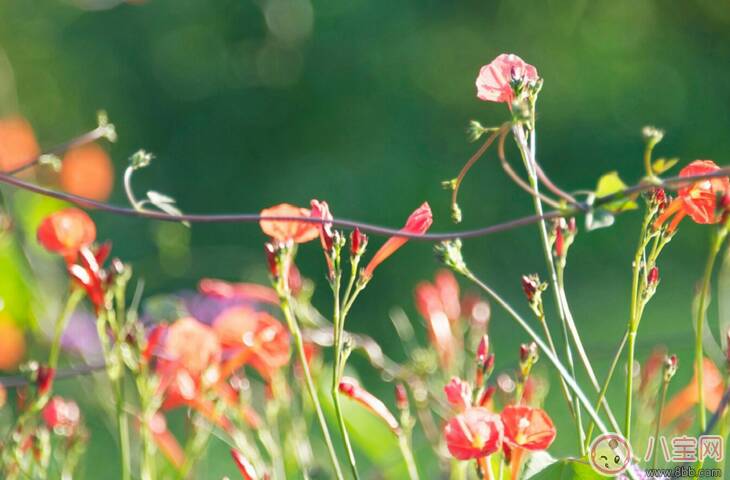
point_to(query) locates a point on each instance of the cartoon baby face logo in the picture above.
(610, 454)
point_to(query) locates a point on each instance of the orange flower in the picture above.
(475, 433)
(254, 337)
(698, 200)
(350, 388)
(418, 223)
(288, 230)
(18, 145)
(12, 343)
(66, 231)
(527, 427)
(688, 397)
(190, 350)
(88, 172)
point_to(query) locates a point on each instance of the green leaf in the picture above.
(566, 469)
(610, 184)
(166, 204)
(661, 165)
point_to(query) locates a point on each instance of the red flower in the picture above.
(527, 427)
(61, 416)
(288, 230)
(90, 274)
(473, 434)
(418, 223)
(254, 337)
(350, 388)
(496, 81)
(165, 441)
(458, 394)
(66, 231)
(429, 305)
(18, 145)
(698, 200)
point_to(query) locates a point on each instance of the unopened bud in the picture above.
(652, 135)
(529, 286)
(489, 364)
(483, 351)
(271, 253)
(659, 198)
(486, 395)
(671, 363)
(653, 277)
(358, 242)
(559, 245)
(44, 379)
(401, 397)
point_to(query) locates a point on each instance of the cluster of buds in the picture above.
(561, 237)
(533, 288)
(652, 135)
(449, 253)
(528, 358)
(658, 199)
(484, 362)
(650, 283)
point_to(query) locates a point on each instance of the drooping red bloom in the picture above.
(475, 433)
(62, 416)
(429, 305)
(698, 200)
(350, 388)
(527, 427)
(253, 337)
(496, 81)
(288, 230)
(458, 394)
(418, 223)
(66, 231)
(244, 291)
(90, 274)
(326, 235)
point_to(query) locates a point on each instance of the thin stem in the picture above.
(407, 453)
(662, 401)
(551, 343)
(630, 384)
(528, 156)
(606, 383)
(338, 321)
(73, 300)
(296, 332)
(704, 293)
(477, 155)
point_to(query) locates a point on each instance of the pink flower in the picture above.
(418, 223)
(496, 81)
(458, 394)
(475, 433)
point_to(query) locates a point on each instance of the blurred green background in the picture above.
(365, 104)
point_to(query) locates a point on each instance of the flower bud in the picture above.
(652, 277)
(44, 379)
(652, 135)
(671, 363)
(659, 198)
(401, 397)
(559, 245)
(489, 364)
(350, 388)
(270, 251)
(486, 396)
(483, 351)
(358, 242)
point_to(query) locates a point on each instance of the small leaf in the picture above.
(661, 165)
(597, 218)
(610, 184)
(166, 204)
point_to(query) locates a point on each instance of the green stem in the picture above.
(630, 384)
(604, 388)
(407, 453)
(528, 158)
(71, 303)
(311, 388)
(704, 292)
(662, 401)
(122, 425)
(551, 344)
(339, 321)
